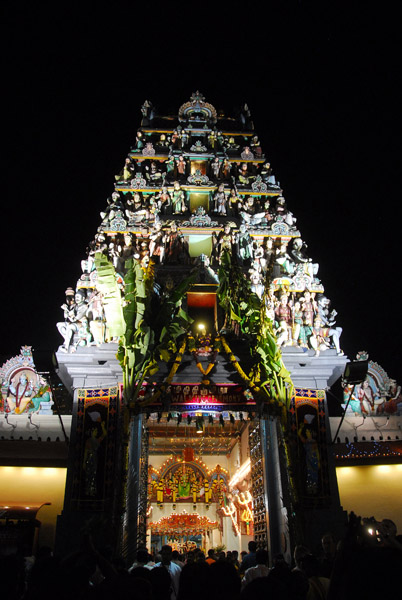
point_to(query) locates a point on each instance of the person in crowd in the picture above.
(261, 569)
(250, 559)
(173, 570)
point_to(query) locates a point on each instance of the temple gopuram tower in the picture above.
(199, 345)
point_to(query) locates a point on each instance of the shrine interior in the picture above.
(192, 462)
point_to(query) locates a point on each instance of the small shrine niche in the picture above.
(23, 389)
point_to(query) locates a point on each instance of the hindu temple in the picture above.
(197, 347)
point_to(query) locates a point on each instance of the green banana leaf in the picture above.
(112, 302)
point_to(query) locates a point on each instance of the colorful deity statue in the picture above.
(178, 199)
(73, 315)
(283, 315)
(181, 166)
(220, 200)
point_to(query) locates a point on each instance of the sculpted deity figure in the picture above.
(309, 307)
(220, 200)
(73, 315)
(266, 171)
(84, 335)
(114, 204)
(259, 255)
(231, 144)
(233, 203)
(328, 320)
(297, 325)
(226, 169)
(128, 170)
(170, 166)
(243, 174)
(257, 285)
(212, 139)
(176, 139)
(20, 393)
(247, 154)
(283, 259)
(256, 146)
(216, 167)
(283, 315)
(178, 199)
(283, 213)
(157, 244)
(173, 241)
(366, 397)
(164, 200)
(243, 243)
(298, 255)
(181, 166)
(225, 241)
(318, 336)
(153, 173)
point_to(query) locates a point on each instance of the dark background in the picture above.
(321, 80)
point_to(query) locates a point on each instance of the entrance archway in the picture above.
(204, 482)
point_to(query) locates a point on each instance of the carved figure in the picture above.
(220, 200)
(284, 317)
(298, 255)
(128, 170)
(226, 167)
(243, 241)
(256, 283)
(20, 393)
(225, 241)
(233, 203)
(73, 315)
(247, 154)
(157, 245)
(243, 174)
(328, 320)
(216, 167)
(153, 173)
(231, 144)
(283, 259)
(173, 245)
(318, 336)
(178, 199)
(164, 201)
(181, 166)
(366, 398)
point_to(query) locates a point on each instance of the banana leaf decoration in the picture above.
(268, 375)
(149, 332)
(112, 302)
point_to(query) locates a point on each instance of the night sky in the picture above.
(321, 82)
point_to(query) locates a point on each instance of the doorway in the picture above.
(200, 489)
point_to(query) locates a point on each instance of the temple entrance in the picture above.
(200, 487)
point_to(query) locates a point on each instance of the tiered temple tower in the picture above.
(198, 303)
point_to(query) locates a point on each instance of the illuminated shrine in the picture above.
(198, 344)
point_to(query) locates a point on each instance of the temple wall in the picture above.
(35, 485)
(372, 491)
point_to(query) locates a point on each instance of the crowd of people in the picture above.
(367, 562)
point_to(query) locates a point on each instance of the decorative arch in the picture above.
(197, 106)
